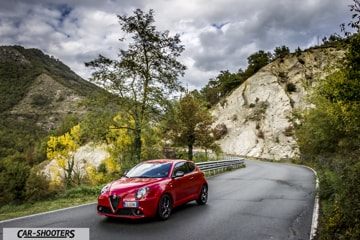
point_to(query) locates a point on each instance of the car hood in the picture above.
(127, 184)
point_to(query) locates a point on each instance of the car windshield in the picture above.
(149, 170)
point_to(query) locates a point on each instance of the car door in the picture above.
(184, 186)
(181, 184)
(193, 177)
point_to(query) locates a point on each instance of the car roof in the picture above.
(166, 160)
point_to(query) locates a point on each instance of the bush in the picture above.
(340, 200)
(258, 111)
(302, 61)
(289, 131)
(40, 100)
(13, 175)
(260, 134)
(290, 87)
(82, 190)
(37, 187)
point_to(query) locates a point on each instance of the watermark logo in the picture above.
(46, 233)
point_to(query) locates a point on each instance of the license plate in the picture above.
(131, 204)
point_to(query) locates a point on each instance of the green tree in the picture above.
(145, 74)
(256, 61)
(97, 124)
(222, 85)
(315, 135)
(211, 91)
(228, 81)
(191, 124)
(355, 22)
(281, 52)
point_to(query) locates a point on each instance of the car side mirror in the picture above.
(179, 174)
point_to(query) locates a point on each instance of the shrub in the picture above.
(260, 134)
(290, 87)
(234, 118)
(37, 187)
(302, 61)
(340, 200)
(13, 175)
(289, 131)
(40, 100)
(82, 190)
(258, 111)
(252, 105)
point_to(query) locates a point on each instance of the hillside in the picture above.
(37, 93)
(37, 86)
(257, 114)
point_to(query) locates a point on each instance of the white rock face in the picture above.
(257, 114)
(84, 156)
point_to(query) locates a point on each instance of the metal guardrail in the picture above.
(221, 165)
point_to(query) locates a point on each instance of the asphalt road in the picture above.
(262, 201)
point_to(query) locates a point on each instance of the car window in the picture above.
(150, 170)
(182, 166)
(191, 166)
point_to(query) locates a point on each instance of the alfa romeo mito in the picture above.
(152, 189)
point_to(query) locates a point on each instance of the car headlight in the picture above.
(104, 189)
(141, 192)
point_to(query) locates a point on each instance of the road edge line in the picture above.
(315, 218)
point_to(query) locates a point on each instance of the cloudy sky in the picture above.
(217, 34)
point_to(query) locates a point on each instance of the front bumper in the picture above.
(107, 207)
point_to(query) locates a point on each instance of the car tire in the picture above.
(164, 207)
(203, 196)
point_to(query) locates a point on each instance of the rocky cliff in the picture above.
(257, 114)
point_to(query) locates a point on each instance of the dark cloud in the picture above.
(217, 34)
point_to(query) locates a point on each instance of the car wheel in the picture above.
(164, 208)
(203, 195)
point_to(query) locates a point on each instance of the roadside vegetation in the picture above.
(72, 197)
(329, 139)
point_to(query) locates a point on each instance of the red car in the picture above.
(153, 188)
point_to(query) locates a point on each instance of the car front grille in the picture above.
(120, 211)
(114, 201)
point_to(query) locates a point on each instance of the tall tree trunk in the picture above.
(68, 171)
(137, 145)
(190, 152)
(191, 141)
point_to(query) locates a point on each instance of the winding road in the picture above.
(262, 201)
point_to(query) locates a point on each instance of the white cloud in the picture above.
(217, 34)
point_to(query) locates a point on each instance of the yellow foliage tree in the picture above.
(63, 148)
(94, 177)
(120, 145)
